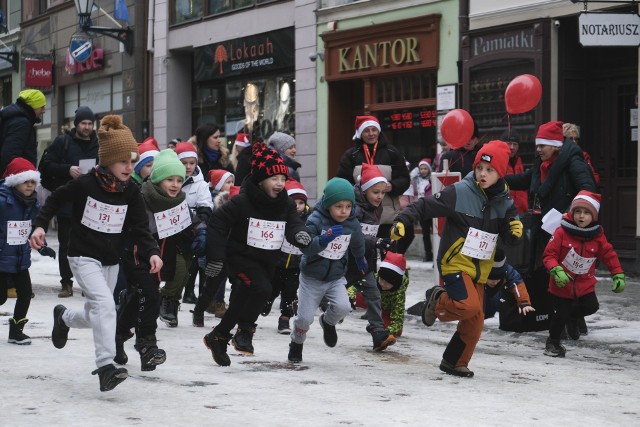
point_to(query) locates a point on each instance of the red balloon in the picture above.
(522, 94)
(457, 128)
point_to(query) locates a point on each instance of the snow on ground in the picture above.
(515, 384)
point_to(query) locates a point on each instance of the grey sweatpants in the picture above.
(310, 294)
(371, 294)
(98, 282)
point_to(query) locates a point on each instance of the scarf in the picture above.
(28, 201)
(157, 200)
(212, 155)
(495, 190)
(545, 167)
(588, 233)
(109, 182)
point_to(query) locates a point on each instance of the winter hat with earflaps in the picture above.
(392, 269)
(217, 177)
(116, 142)
(19, 171)
(588, 200)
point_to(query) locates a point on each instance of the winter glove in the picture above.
(303, 238)
(47, 251)
(618, 283)
(362, 264)
(397, 231)
(560, 276)
(516, 227)
(384, 244)
(328, 235)
(213, 268)
(202, 262)
(199, 244)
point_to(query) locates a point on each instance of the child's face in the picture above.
(121, 170)
(145, 171)
(492, 283)
(26, 188)
(375, 193)
(424, 171)
(172, 185)
(486, 175)
(384, 285)
(300, 204)
(227, 184)
(273, 185)
(291, 151)
(341, 210)
(582, 217)
(190, 164)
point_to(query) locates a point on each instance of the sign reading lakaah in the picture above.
(609, 29)
(39, 73)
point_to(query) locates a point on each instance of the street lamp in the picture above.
(123, 35)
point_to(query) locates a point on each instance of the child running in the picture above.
(393, 281)
(104, 201)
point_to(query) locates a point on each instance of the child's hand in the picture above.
(328, 235)
(384, 244)
(36, 241)
(525, 309)
(516, 228)
(618, 283)
(397, 231)
(156, 264)
(560, 276)
(363, 266)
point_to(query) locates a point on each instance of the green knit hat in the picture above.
(165, 164)
(337, 190)
(33, 98)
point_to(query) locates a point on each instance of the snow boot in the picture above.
(189, 295)
(295, 352)
(329, 334)
(553, 348)
(243, 340)
(283, 326)
(121, 356)
(66, 291)
(150, 354)
(16, 336)
(382, 339)
(198, 318)
(60, 332)
(218, 343)
(110, 376)
(217, 308)
(167, 314)
(429, 311)
(458, 371)
(573, 328)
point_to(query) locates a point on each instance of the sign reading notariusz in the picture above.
(609, 29)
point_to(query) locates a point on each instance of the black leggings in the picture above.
(565, 308)
(22, 282)
(141, 307)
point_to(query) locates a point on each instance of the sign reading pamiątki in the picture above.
(609, 29)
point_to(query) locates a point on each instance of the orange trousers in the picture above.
(469, 314)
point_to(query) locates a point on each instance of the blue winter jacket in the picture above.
(14, 258)
(321, 268)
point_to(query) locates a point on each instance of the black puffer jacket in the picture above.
(18, 134)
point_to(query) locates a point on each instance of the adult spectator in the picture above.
(242, 141)
(461, 160)
(520, 197)
(18, 132)
(212, 154)
(572, 131)
(69, 156)
(371, 147)
(285, 145)
(172, 144)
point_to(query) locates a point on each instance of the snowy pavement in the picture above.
(514, 384)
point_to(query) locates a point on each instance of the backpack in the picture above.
(48, 181)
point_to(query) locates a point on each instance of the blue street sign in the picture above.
(80, 47)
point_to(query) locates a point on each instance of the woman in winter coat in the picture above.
(212, 153)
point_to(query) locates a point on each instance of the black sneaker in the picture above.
(573, 328)
(198, 318)
(167, 312)
(429, 311)
(329, 333)
(110, 376)
(150, 357)
(553, 348)
(60, 332)
(267, 308)
(283, 326)
(295, 352)
(243, 341)
(458, 371)
(16, 336)
(218, 346)
(582, 326)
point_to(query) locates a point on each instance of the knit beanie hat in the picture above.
(550, 134)
(499, 268)
(116, 141)
(363, 122)
(165, 164)
(392, 269)
(371, 176)
(217, 177)
(19, 171)
(588, 200)
(496, 153)
(295, 190)
(83, 113)
(265, 163)
(234, 191)
(33, 98)
(281, 141)
(147, 152)
(186, 149)
(510, 135)
(243, 140)
(337, 190)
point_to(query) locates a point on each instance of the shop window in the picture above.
(405, 88)
(412, 130)
(333, 3)
(187, 10)
(33, 8)
(103, 96)
(221, 6)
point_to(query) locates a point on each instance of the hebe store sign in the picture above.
(39, 73)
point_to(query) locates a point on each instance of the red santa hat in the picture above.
(295, 190)
(234, 191)
(217, 178)
(425, 161)
(392, 269)
(19, 171)
(550, 134)
(147, 151)
(496, 153)
(151, 140)
(186, 149)
(363, 122)
(588, 200)
(243, 140)
(370, 176)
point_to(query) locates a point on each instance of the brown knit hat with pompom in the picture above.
(117, 143)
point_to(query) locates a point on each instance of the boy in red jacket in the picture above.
(570, 256)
